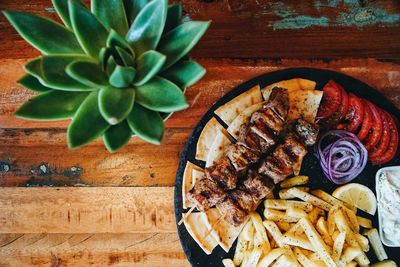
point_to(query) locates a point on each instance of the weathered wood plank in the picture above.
(268, 29)
(40, 157)
(155, 249)
(222, 75)
(87, 210)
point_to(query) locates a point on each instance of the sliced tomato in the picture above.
(376, 129)
(383, 144)
(354, 116)
(366, 123)
(330, 101)
(344, 103)
(391, 151)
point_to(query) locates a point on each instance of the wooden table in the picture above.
(87, 207)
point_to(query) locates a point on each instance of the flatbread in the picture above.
(291, 85)
(223, 232)
(304, 104)
(197, 226)
(206, 138)
(229, 111)
(243, 118)
(189, 178)
(221, 142)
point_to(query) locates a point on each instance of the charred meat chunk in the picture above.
(241, 157)
(279, 102)
(231, 211)
(307, 132)
(294, 148)
(258, 186)
(267, 121)
(223, 172)
(243, 199)
(205, 193)
(276, 169)
(252, 141)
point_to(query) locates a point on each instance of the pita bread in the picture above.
(206, 138)
(304, 104)
(291, 85)
(243, 118)
(221, 142)
(197, 226)
(190, 175)
(223, 232)
(229, 111)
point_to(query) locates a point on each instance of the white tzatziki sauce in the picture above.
(389, 204)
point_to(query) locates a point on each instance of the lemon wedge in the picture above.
(357, 195)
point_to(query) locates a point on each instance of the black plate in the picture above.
(310, 165)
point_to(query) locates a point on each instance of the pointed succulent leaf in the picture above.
(87, 124)
(165, 116)
(117, 136)
(114, 40)
(112, 14)
(32, 83)
(161, 95)
(146, 124)
(122, 76)
(174, 17)
(133, 7)
(181, 40)
(52, 105)
(50, 71)
(44, 34)
(148, 65)
(104, 54)
(185, 73)
(88, 73)
(111, 65)
(115, 103)
(145, 32)
(61, 7)
(126, 58)
(91, 33)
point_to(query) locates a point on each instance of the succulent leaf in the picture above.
(44, 34)
(146, 124)
(115, 103)
(50, 70)
(52, 105)
(161, 95)
(122, 76)
(148, 65)
(61, 7)
(174, 17)
(117, 136)
(133, 7)
(116, 19)
(115, 40)
(32, 83)
(91, 33)
(103, 57)
(88, 73)
(185, 73)
(111, 65)
(145, 32)
(87, 124)
(126, 58)
(181, 40)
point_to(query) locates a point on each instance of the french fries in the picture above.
(294, 181)
(316, 231)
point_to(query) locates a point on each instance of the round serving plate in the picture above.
(310, 166)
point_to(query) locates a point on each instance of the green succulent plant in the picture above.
(117, 70)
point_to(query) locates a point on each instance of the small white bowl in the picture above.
(385, 241)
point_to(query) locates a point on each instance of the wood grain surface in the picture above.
(86, 207)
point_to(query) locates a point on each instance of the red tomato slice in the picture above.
(376, 128)
(391, 151)
(383, 144)
(344, 105)
(330, 101)
(366, 123)
(354, 116)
